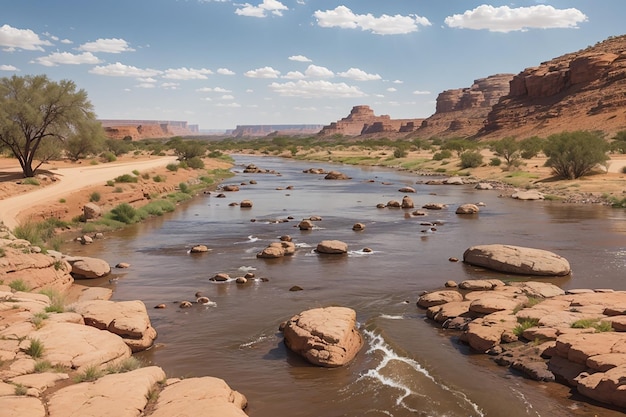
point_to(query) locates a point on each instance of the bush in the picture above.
(530, 147)
(196, 163)
(30, 181)
(399, 153)
(108, 157)
(126, 178)
(574, 154)
(19, 285)
(158, 178)
(184, 187)
(441, 155)
(495, 162)
(124, 213)
(172, 167)
(471, 159)
(94, 197)
(36, 348)
(135, 172)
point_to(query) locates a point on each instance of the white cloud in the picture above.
(392, 90)
(421, 93)
(268, 6)
(170, 86)
(359, 75)
(187, 73)
(227, 97)
(147, 79)
(12, 39)
(145, 85)
(299, 58)
(221, 90)
(316, 89)
(294, 75)
(343, 17)
(229, 105)
(398, 82)
(506, 19)
(265, 72)
(315, 71)
(8, 68)
(225, 71)
(66, 41)
(67, 58)
(120, 70)
(112, 46)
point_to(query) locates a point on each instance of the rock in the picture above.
(456, 180)
(199, 249)
(120, 395)
(407, 190)
(185, 304)
(480, 284)
(202, 300)
(451, 284)
(271, 252)
(528, 195)
(608, 387)
(336, 175)
(285, 238)
(467, 209)
(122, 265)
(362, 120)
(305, 224)
(36, 270)
(332, 247)
(483, 186)
(220, 277)
(88, 268)
(160, 306)
(434, 206)
(324, 336)
(241, 280)
(407, 202)
(358, 227)
(295, 288)
(517, 260)
(438, 297)
(245, 204)
(13, 406)
(91, 211)
(78, 346)
(230, 187)
(206, 396)
(393, 204)
(367, 250)
(127, 319)
(86, 240)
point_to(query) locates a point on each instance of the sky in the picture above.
(223, 63)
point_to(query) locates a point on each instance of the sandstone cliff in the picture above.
(582, 90)
(147, 129)
(362, 120)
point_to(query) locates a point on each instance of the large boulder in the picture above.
(84, 267)
(206, 396)
(91, 211)
(127, 319)
(36, 270)
(517, 260)
(324, 336)
(332, 247)
(336, 175)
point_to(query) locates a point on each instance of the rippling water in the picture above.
(408, 367)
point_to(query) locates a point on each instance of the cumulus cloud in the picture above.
(421, 93)
(392, 89)
(67, 58)
(299, 58)
(268, 6)
(187, 73)
(8, 68)
(145, 85)
(316, 89)
(227, 97)
(359, 75)
(506, 19)
(344, 18)
(121, 70)
(229, 105)
(265, 72)
(315, 71)
(12, 38)
(225, 71)
(398, 82)
(170, 86)
(112, 46)
(294, 75)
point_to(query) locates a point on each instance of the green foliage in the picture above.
(126, 365)
(471, 159)
(118, 147)
(135, 172)
(507, 148)
(57, 301)
(118, 190)
(2, 253)
(598, 325)
(37, 114)
(145, 175)
(39, 233)
(195, 163)
(156, 208)
(158, 178)
(36, 348)
(458, 145)
(38, 319)
(184, 187)
(187, 149)
(30, 181)
(62, 200)
(172, 167)
(215, 154)
(88, 139)
(124, 213)
(94, 197)
(530, 147)
(400, 152)
(108, 156)
(524, 325)
(441, 155)
(495, 162)
(89, 374)
(110, 183)
(42, 366)
(19, 285)
(20, 390)
(572, 155)
(126, 178)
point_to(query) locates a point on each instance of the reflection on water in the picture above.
(407, 367)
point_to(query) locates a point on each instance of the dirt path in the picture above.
(71, 180)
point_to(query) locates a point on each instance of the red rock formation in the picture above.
(147, 129)
(362, 120)
(584, 90)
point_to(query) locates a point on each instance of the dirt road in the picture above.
(72, 179)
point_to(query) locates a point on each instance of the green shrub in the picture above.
(215, 154)
(598, 325)
(36, 348)
(19, 285)
(524, 325)
(126, 365)
(2, 253)
(495, 162)
(57, 301)
(172, 167)
(135, 172)
(126, 178)
(156, 208)
(94, 197)
(42, 366)
(38, 319)
(124, 213)
(90, 374)
(196, 163)
(574, 154)
(93, 162)
(158, 178)
(184, 187)
(30, 181)
(145, 175)
(471, 159)
(20, 390)
(110, 183)
(108, 157)
(400, 152)
(441, 155)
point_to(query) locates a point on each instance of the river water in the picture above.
(408, 367)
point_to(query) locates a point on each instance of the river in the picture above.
(408, 366)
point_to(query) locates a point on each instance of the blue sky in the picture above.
(222, 63)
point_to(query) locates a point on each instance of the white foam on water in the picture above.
(246, 268)
(302, 245)
(391, 317)
(256, 341)
(529, 406)
(378, 344)
(360, 253)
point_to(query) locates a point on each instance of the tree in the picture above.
(619, 142)
(530, 147)
(471, 159)
(88, 139)
(35, 111)
(188, 149)
(574, 154)
(507, 148)
(458, 145)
